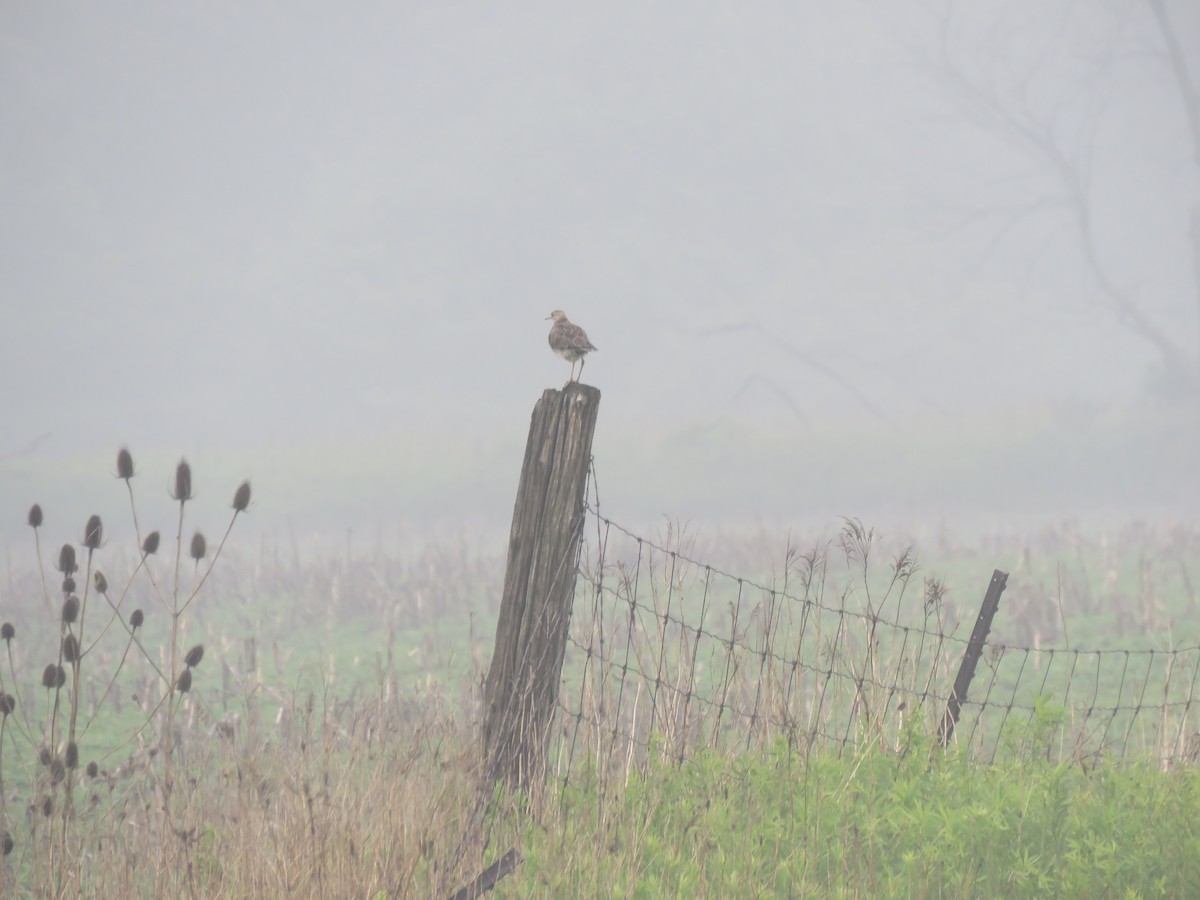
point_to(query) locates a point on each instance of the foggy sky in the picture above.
(228, 225)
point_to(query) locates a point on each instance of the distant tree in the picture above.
(1056, 84)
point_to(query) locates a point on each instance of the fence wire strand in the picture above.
(668, 655)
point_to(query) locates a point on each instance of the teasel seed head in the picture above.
(124, 464)
(6, 843)
(100, 582)
(57, 771)
(93, 531)
(48, 807)
(7, 631)
(183, 683)
(66, 560)
(68, 586)
(241, 497)
(72, 755)
(70, 649)
(199, 547)
(35, 516)
(93, 769)
(7, 704)
(50, 676)
(136, 618)
(194, 656)
(150, 544)
(70, 609)
(183, 482)
(45, 757)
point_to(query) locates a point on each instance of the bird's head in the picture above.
(558, 315)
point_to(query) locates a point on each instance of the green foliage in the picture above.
(1037, 738)
(339, 747)
(778, 823)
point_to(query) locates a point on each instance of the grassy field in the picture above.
(779, 823)
(326, 744)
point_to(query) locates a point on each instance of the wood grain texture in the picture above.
(521, 688)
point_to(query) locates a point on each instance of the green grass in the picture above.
(359, 773)
(778, 823)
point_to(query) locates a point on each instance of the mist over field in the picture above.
(923, 262)
(891, 576)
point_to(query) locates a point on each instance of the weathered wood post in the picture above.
(966, 670)
(521, 689)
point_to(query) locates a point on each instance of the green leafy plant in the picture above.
(777, 823)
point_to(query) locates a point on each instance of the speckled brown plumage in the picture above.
(569, 341)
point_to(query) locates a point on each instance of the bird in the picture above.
(569, 341)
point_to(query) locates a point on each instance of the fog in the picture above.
(908, 259)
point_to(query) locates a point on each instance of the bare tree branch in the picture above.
(778, 390)
(1190, 99)
(1188, 95)
(806, 358)
(1010, 116)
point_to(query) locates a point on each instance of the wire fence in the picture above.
(668, 655)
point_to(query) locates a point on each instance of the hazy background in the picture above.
(915, 260)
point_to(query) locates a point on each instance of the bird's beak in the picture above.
(548, 318)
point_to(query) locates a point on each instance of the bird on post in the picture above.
(569, 341)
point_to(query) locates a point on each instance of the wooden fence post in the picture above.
(966, 670)
(521, 689)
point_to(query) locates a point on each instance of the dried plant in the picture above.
(56, 734)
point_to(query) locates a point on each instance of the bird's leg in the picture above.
(582, 360)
